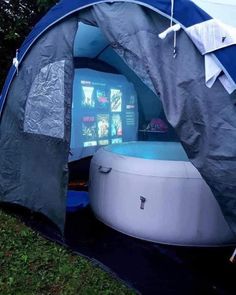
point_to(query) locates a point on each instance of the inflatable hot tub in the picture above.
(151, 191)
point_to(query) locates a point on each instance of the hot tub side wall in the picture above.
(178, 208)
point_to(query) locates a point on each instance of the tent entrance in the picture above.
(110, 104)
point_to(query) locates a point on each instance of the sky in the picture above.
(224, 10)
(228, 2)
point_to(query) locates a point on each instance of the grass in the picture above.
(31, 265)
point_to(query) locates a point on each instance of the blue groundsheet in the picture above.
(149, 268)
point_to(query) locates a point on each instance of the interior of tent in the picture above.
(110, 103)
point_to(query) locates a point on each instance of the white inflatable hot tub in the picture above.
(151, 191)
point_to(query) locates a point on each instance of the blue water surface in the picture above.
(172, 151)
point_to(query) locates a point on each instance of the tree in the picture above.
(17, 17)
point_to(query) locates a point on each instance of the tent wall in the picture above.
(205, 119)
(35, 126)
(150, 105)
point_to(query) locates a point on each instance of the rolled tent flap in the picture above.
(35, 126)
(205, 119)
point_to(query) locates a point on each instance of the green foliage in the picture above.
(17, 17)
(30, 265)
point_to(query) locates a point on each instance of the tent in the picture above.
(168, 51)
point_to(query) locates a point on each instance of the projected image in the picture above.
(88, 100)
(116, 100)
(90, 143)
(104, 111)
(103, 142)
(103, 125)
(116, 140)
(102, 99)
(130, 103)
(116, 125)
(89, 128)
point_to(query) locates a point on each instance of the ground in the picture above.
(30, 265)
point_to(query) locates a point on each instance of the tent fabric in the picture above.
(35, 126)
(212, 35)
(33, 159)
(213, 71)
(186, 12)
(208, 37)
(49, 99)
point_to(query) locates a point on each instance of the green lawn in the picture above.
(30, 265)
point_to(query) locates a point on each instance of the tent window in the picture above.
(44, 113)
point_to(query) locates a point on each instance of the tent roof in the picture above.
(186, 13)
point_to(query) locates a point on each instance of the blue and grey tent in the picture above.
(169, 55)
